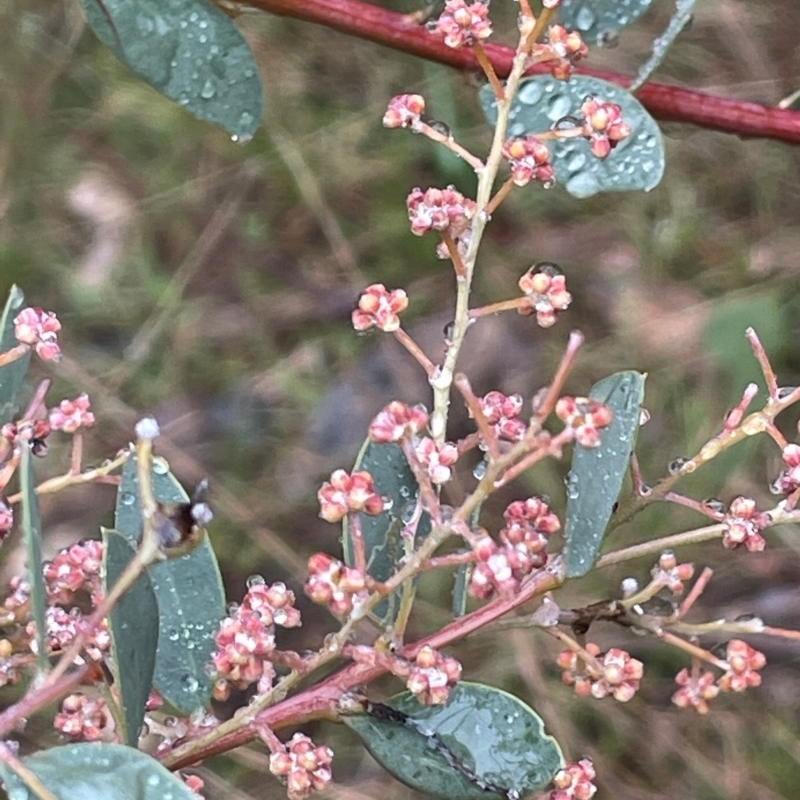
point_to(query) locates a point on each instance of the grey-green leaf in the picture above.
(12, 375)
(384, 543)
(32, 531)
(484, 743)
(191, 600)
(97, 771)
(636, 163)
(134, 633)
(596, 475)
(190, 51)
(599, 21)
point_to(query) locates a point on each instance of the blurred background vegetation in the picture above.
(211, 284)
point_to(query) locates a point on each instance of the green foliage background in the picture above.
(211, 284)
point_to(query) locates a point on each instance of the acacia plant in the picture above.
(129, 633)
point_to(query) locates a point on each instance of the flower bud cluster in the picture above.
(562, 50)
(696, 690)
(439, 210)
(464, 24)
(304, 766)
(743, 525)
(585, 417)
(603, 126)
(74, 568)
(744, 663)
(348, 494)
(330, 582)
(431, 676)
(530, 161)
(398, 421)
(39, 329)
(246, 637)
(669, 573)
(501, 568)
(10, 667)
(437, 459)
(502, 413)
(545, 288)
(404, 111)
(63, 626)
(614, 673)
(379, 308)
(6, 518)
(788, 481)
(70, 415)
(82, 719)
(574, 782)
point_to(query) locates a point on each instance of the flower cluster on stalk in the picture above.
(84, 719)
(584, 417)
(304, 766)
(463, 24)
(614, 673)
(697, 688)
(562, 50)
(603, 126)
(379, 308)
(39, 329)
(502, 413)
(545, 288)
(574, 782)
(246, 637)
(529, 159)
(743, 525)
(501, 567)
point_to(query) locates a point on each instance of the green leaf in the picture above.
(636, 163)
(661, 44)
(599, 21)
(32, 531)
(596, 476)
(12, 375)
(190, 51)
(98, 771)
(191, 600)
(383, 540)
(483, 743)
(134, 633)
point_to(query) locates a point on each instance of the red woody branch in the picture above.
(401, 32)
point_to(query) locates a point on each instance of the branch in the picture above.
(401, 32)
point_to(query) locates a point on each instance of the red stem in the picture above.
(321, 700)
(401, 32)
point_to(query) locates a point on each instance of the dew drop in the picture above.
(479, 471)
(583, 184)
(608, 38)
(160, 466)
(255, 580)
(573, 486)
(676, 465)
(190, 683)
(530, 93)
(449, 332)
(712, 504)
(208, 90)
(173, 636)
(585, 18)
(127, 499)
(441, 128)
(576, 162)
(558, 106)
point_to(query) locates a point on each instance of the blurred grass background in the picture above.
(211, 284)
